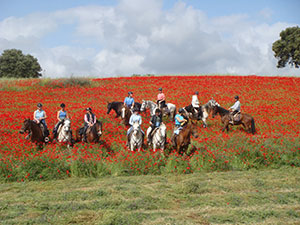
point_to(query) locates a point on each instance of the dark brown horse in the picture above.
(117, 107)
(93, 133)
(245, 119)
(183, 139)
(34, 130)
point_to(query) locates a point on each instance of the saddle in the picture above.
(44, 131)
(177, 130)
(153, 132)
(237, 117)
(60, 127)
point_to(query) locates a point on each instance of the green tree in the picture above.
(13, 63)
(287, 49)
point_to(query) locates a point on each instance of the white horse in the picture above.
(147, 104)
(206, 109)
(64, 132)
(158, 137)
(136, 139)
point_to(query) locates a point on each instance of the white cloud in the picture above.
(138, 36)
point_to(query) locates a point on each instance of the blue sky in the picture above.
(113, 38)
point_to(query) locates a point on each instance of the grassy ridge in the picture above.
(256, 197)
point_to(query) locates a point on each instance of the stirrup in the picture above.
(46, 139)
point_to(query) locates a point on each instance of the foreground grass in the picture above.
(256, 197)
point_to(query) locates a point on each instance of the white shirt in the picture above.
(236, 106)
(195, 101)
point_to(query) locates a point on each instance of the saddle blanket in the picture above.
(176, 131)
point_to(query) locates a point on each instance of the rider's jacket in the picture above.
(129, 101)
(62, 114)
(178, 116)
(39, 114)
(236, 106)
(161, 97)
(135, 118)
(156, 120)
(88, 118)
(195, 101)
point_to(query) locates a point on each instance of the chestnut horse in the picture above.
(93, 133)
(34, 130)
(183, 139)
(245, 119)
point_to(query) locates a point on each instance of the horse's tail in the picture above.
(252, 126)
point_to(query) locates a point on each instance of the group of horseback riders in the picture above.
(155, 121)
(180, 118)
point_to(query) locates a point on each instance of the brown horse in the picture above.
(183, 139)
(34, 130)
(245, 119)
(93, 133)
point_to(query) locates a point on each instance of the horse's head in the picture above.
(143, 106)
(67, 125)
(215, 110)
(108, 107)
(194, 129)
(25, 126)
(135, 127)
(98, 126)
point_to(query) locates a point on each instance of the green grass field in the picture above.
(235, 197)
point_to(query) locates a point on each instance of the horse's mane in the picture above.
(222, 110)
(93, 128)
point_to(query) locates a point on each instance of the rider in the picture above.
(39, 116)
(135, 117)
(195, 102)
(61, 115)
(180, 121)
(89, 121)
(155, 121)
(161, 99)
(236, 108)
(129, 101)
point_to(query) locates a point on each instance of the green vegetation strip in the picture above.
(235, 197)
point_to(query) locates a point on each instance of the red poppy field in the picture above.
(272, 101)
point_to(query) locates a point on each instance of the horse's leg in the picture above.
(226, 124)
(205, 115)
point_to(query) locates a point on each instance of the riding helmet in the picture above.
(89, 109)
(236, 97)
(181, 110)
(135, 109)
(39, 105)
(130, 92)
(62, 105)
(196, 93)
(160, 89)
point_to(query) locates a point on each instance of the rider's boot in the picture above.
(84, 139)
(173, 140)
(149, 139)
(127, 142)
(231, 119)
